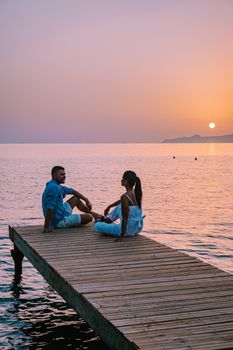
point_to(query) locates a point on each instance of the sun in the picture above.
(211, 125)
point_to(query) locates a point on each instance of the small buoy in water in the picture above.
(195, 158)
(174, 157)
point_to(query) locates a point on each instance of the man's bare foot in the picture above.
(100, 218)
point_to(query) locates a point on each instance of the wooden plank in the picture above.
(165, 298)
(157, 310)
(171, 316)
(173, 324)
(150, 287)
(123, 277)
(154, 307)
(96, 286)
(188, 339)
(157, 292)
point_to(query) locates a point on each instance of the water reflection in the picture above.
(46, 322)
(16, 287)
(212, 147)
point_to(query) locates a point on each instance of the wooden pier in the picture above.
(136, 294)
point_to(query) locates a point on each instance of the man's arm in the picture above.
(47, 221)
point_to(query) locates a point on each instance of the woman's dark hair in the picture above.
(133, 180)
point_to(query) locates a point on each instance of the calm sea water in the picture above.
(188, 205)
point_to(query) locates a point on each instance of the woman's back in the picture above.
(135, 219)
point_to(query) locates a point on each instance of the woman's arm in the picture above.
(110, 206)
(125, 214)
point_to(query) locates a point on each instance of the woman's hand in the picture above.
(119, 239)
(47, 230)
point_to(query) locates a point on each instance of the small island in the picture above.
(202, 139)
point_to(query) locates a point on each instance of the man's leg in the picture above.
(76, 202)
(86, 218)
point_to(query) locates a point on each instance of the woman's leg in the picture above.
(114, 215)
(109, 219)
(86, 218)
(109, 229)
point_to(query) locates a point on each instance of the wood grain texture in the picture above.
(137, 293)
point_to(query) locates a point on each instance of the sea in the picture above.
(187, 200)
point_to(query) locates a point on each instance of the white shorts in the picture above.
(71, 220)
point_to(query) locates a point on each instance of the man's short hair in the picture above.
(55, 169)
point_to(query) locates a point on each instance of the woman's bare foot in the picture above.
(107, 220)
(99, 217)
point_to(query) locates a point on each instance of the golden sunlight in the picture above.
(211, 125)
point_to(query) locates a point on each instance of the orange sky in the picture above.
(115, 71)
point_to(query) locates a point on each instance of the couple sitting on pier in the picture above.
(58, 214)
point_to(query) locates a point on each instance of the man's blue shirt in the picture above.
(52, 198)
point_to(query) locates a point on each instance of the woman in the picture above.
(127, 209)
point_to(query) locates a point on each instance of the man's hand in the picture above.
(47, 230)
(47, 221)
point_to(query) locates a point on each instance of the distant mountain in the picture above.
(202, 139)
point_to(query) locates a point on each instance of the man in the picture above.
(58, 214)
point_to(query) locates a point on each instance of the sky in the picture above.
(115, 71)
